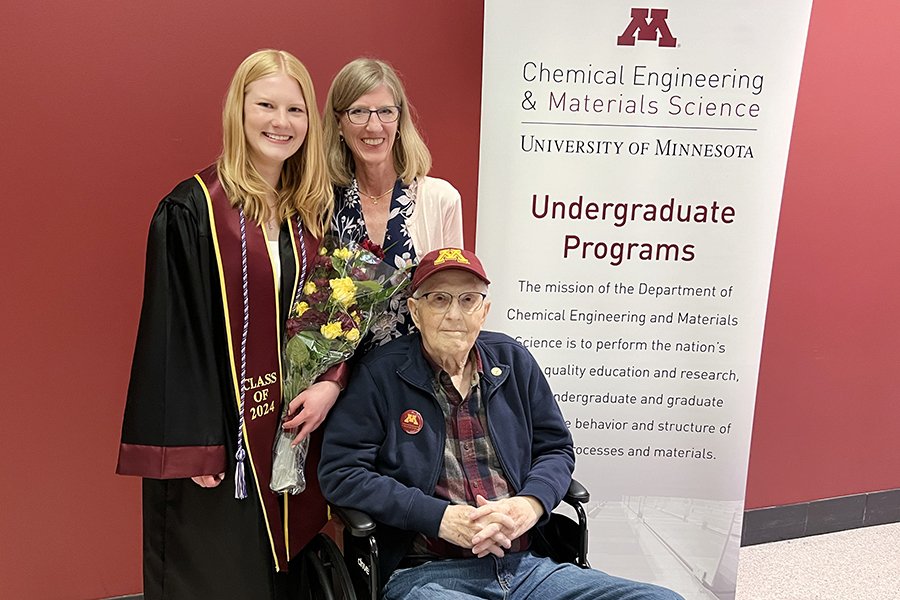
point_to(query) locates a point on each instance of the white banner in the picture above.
(632, 164)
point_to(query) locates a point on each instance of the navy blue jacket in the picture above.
(369, 462)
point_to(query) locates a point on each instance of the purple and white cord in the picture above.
(303, 258)
(240, 481)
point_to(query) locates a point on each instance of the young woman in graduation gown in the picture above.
(227, 251)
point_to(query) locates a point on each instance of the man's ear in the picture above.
(487, 309)
(411, 304)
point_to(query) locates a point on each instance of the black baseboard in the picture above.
(791, 521)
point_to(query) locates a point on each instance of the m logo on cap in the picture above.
(447, 258)
(454, 254)
(648, 31)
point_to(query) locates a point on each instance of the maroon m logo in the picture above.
(648, 31)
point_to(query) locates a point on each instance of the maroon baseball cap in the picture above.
(447, 258)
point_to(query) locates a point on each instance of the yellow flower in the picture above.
(343, 291)
(332, 330)
(309, 288)
(352, 335)
(322, 251)
(356, 317)
(301, 308)
(343, 253)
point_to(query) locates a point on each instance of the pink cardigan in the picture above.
(436, 221)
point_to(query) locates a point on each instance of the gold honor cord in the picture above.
(299, 259)
(234, 377)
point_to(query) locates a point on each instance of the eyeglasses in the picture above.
(440, 302)
(361, 116)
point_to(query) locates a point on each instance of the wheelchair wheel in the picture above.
(326, 575)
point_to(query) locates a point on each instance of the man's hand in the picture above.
(456, 526)
(514, 516)
(313, 403)
(459, 527)
(208, 481)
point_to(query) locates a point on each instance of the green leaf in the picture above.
(297, 351)
(368, 287)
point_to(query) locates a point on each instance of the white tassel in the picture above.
(240, 484)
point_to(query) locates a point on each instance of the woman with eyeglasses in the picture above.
(379, 164)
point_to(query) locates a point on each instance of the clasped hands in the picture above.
(492, 525)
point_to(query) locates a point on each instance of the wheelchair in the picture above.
(330, 576)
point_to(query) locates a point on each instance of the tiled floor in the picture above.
(861, 564)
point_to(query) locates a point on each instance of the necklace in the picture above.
(375, 199)
(272, 228)
(273, 221)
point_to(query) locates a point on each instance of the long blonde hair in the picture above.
(411, 156)
(304, 187)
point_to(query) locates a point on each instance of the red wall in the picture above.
(106, 105)
(827, 417)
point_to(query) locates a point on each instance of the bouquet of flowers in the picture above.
(349, 287)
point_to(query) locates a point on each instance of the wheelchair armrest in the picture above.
(577, 493)
(358, 523)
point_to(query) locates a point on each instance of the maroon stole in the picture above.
(262, 379)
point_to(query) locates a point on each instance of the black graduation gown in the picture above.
(181, 420)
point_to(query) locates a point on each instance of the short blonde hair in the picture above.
(411, 156)
(304, 187)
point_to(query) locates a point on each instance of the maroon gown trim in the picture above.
(169, 462)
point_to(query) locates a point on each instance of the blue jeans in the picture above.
(515, 577)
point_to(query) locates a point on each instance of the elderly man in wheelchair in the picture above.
(451, 439)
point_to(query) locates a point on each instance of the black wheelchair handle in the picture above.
(358, 523)
(576, 493)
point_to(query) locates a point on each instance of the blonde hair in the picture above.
(411, 156)
(304, 187)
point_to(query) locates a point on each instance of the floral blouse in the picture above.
(349, 224)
